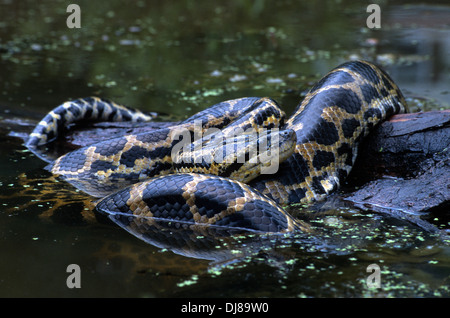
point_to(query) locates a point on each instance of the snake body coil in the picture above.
(138, 176)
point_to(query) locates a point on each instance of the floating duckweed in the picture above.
(192, 281)
(237, 78)
(213, 92)
(333, 221)
(214, 271)
(111, 84)
(291, 261)
(216, 73)
(272, 80)
(310, 266)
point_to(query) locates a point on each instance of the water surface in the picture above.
(178, 58)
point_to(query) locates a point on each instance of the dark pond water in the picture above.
(178, 57)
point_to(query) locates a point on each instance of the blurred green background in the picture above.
(181, 56)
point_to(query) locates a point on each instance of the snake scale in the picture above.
(136, 174)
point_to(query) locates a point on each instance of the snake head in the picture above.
(241, 157)
(264, 153)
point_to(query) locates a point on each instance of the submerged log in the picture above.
(405, 165)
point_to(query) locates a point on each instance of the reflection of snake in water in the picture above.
(136, 173)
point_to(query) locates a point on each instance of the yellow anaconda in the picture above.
(137, 174)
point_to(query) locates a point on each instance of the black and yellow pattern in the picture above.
(104, 167)
(329, 125)
(83, 109)
(336, 114)
(242, 157)
(200, 199)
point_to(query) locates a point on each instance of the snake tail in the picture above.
(83, 109)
